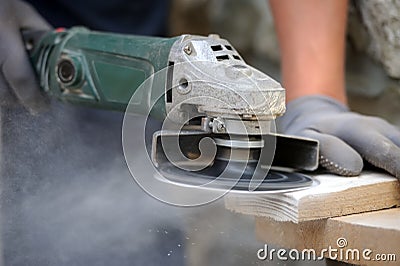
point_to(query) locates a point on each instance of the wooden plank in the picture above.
(378, 231)
(332, 196)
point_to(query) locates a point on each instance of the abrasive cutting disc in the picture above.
(273, 181)
(237, 161)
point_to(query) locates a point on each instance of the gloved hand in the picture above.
(345, 137)
(18, 83)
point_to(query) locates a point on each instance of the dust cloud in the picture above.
(68, 198)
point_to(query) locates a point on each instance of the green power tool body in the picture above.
(206, 87)
(98, 69)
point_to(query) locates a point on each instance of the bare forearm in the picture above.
(311, 36)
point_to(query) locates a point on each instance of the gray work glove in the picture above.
(18, 83)
(345, 138)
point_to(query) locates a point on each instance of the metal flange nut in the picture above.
(218, 125)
